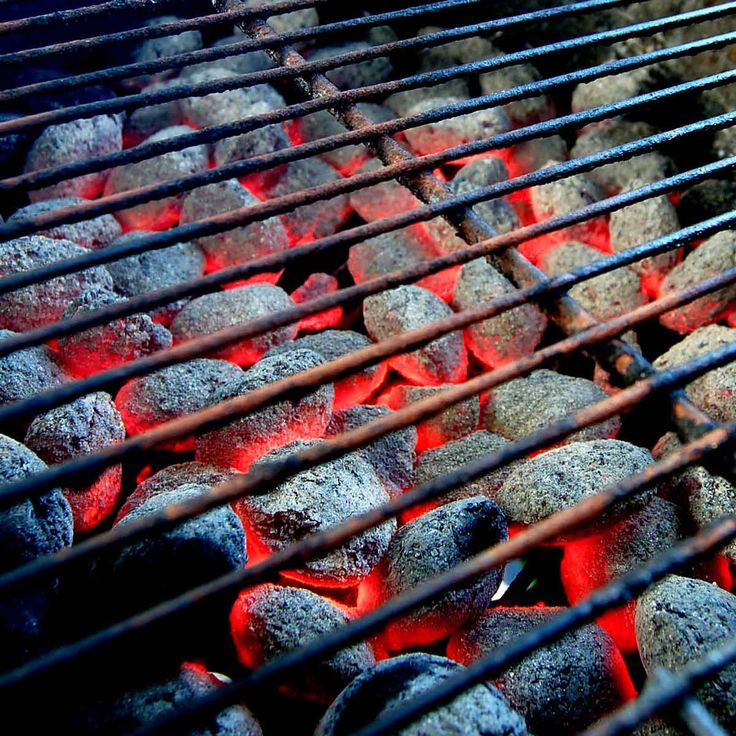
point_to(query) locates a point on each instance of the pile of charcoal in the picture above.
(560, 688)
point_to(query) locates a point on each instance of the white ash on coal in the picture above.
(411, 307)
(613, 178)
(108, 345)
(680, 620)
(353, 76)
(46, 301)
(171, 478)
(173, 392)
(28, 372)
(391, 456)
(559, 478)
(269, 621)
(98, 232)
(314, 500)
(453, 423)
(239, 245)
(426, 547)
(85, 426)
(715, 256)
(524, 405)
(382, 200)
(440, 461)
(315, 286)
(606, 296)
(331, 345)
(153, 49)
(69, 143)
(561, 688)
(163, 213)
(479, 711)
(248, 438)
(223, 309)
(153, 270)
(505, 337)
(715, 392)
(313, 221)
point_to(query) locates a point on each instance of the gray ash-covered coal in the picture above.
(169, 563)
(33, 528)
(717, 255)
(436, 463)
(594, 561)
(715, 391)
(158, 214)
(612, 178)
(453, 423)
(606, 296)
(391, 456)
(28, 372)
(98, 232)
(85, 426)
(314, 500)
(112, 344)
(706, 199)
(221, 310)
(564, 196)
(173, 392)
(534, 154)
(705, 496)
(382, 200)
(243, 63)
(269, 621)
(154, 48)
(352, 76)
(331, 345)
(524, 405)
(561, 688)
(558, 479)
(680, 620)
(242, 244)
(505, 337)
(640, 223)
(45, 301)
(117, 713)
(406, 308)
(316, 220)
(172, 477)
(426, 547)
(322, 124)
(153, 270)
(479, 711)
(244, 440)
(69, 143)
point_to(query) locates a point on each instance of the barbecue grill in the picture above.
(358, 326)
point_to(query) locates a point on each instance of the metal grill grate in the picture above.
(705, 441)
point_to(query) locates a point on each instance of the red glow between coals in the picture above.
(356, 389)
(317, 285)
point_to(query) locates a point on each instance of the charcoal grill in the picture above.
(561, 38)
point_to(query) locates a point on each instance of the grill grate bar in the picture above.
(17, 58)
(60, 17)
(697, 719)
(328, 29)
(665, 691)
(416, 412)
(333, 99)
(548, 529)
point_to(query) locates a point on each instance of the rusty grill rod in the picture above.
(328, 29)
(416, 412)
(136, 101)
(213, 133)
(64, 17)
(263, 210)
(546, 530)
(225, 412)
(666, 691)
(158, 31)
